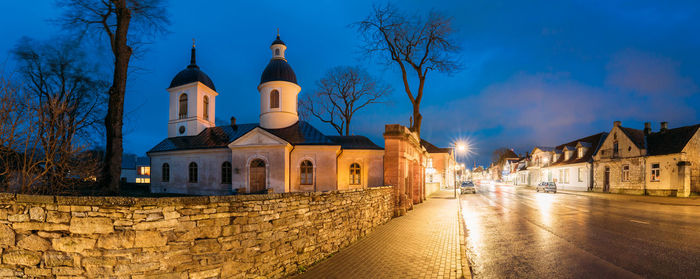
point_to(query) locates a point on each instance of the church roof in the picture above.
(192, 74)
(277, 41)
(301, 133)
(355, 142)
(278, 69)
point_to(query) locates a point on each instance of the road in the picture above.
(514, 232)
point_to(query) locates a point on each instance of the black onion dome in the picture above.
(278, 41)
(192, 74)
(278, 70)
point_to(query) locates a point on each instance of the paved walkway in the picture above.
(422, 244)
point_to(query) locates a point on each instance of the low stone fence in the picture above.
(186, 237)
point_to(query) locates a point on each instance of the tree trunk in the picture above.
(111, 169)
(417, 119)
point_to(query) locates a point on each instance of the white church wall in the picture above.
(194, 122)
(284, 116)
(323, 159)
(275, 158)
(208, 162)
(371, 168)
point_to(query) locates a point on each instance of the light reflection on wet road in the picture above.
(514, 232)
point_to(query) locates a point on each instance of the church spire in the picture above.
(193, 60)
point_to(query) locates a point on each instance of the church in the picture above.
(279, 154)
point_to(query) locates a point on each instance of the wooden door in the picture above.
(257, 176)
(606, 181)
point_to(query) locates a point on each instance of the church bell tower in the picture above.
(192, 101)
(278, 90)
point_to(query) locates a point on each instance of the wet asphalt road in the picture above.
(514, 232)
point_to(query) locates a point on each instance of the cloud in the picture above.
(648, 74)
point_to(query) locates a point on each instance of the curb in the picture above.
(466, 264)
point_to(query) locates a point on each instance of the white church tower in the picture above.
(192, 101)
(278, 90)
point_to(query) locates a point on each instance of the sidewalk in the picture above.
(422, 244)
(691, 201)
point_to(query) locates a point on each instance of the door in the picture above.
(606, 180)
(257, 176)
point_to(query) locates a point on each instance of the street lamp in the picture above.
(462, 147)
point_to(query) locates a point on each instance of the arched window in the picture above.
(206, 107)
(277, 52)
(226, 173)
(166, 172)
(193, 172)
(307, 173)
(183, 106)
(274, 99)
(355, 178)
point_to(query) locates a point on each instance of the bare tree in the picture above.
(115, 19)
(66, 105)
(340, 94)
(416, 44)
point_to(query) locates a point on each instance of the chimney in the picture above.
(647, 128)
(664, 126)
(233, 121)
(617, 123)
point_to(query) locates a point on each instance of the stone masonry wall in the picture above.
(187, 237)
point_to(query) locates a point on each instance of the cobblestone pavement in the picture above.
(422, 244)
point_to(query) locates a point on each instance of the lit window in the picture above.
(581, 174)
(307, 173)
(355, 174)
(183, 106)
(580, 152)
(274, 99)
(655, 172)
(143, 180)
(206, 107)
(193, 173)
(166, 172)
(226, 173)
(144, 171)
(626, 173)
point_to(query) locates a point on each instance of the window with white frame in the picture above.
(581, 174)
(626, 173)
(564, 175)
(580, 152)
(655, 172)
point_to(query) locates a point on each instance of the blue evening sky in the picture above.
(535, 72)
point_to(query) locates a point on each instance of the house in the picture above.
(135, 169)
(572, 166)
(440, 170)
(643, 162)
(278, 154)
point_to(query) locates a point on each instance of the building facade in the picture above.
(644, 162)
(278, 154)
(441, 165)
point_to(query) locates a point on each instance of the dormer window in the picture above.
(580, 152)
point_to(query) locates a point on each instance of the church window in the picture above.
(307, 173)
(206, 107)
(274, 99)
(355, 174)
(183, 106)
(277, 52)
(166, 172)
(193, 172)
(226, 173)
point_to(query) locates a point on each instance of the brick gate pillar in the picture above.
(404, 167)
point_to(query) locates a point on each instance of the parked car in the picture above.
(547, 187)
(467, 186)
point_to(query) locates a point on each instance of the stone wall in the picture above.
(188, 237)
